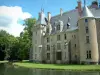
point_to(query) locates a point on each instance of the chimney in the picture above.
(61, 11)
(49, 17)
(95, 4)
(79, 7)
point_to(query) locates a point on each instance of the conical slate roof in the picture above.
(41, 19)
(86, 12)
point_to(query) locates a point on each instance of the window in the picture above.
(59, 56)
(53, 47)
(74, 36)
(48, 47)
(58, 37)
(35, 49)
(48, 56)
(75, 45)
(88, 54)
(47, 30)
(35, 56)
(58, 46)
(48, 40)
(87, 30)
(65, 37)
(58, 27)
(86, 20)
(87, 39)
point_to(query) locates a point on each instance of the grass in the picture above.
(27, 64)
(3, 61)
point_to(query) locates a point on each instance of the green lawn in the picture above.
(3, 61)
(59, 66)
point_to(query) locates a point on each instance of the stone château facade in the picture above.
(70, 37)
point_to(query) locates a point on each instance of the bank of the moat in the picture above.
(59, 66)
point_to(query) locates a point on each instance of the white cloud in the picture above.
(9, 17)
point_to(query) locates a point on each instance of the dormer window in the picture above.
(68, 25)
(58, 27)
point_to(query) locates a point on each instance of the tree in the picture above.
(29, 23)
(15, 48)
(3, 43)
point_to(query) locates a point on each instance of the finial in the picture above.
(42, 10)
(84, 2)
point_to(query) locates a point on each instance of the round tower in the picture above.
(88, 38)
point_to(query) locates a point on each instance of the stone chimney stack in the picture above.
(79, 7)
(95, 4)
(49, 17)
(61, 11)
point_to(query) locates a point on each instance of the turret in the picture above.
(37, 38)
(88, 38)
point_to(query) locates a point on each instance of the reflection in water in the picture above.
(8, 69)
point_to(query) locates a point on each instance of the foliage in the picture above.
(17, 48)
(29, 24)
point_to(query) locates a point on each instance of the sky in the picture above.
(13, 12)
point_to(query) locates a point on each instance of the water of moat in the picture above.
(9, 69)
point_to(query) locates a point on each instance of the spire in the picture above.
(41, 18)
(86, 12)
(84, 2)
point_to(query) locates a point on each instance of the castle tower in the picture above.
(37, 38)
(88, 38)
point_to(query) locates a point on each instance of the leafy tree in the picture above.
(29, 24)
(15, 48)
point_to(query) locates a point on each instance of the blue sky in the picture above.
(34, 6)
(13, 12)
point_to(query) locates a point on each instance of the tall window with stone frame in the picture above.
(59, 55)
(87, 30)
(53, 47)
(48, 39)
(47, 30)
(48, 47)
(35, 56)
(65, 37)
(87, 39)
(88, 53)
(58, 27)
(58, 37)
(48, 56)
(58, 46)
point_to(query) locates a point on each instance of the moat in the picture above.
(9, 69)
